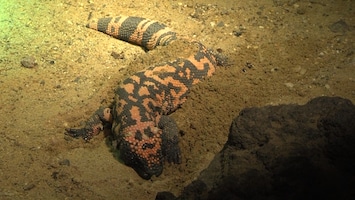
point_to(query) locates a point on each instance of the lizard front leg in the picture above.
(170, 139)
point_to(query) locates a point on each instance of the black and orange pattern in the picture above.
(136, 30)
(140, 121)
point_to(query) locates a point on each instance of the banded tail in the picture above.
(136, 30)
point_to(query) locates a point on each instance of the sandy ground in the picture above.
(279, 52)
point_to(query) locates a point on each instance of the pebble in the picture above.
(289, 85)
(301, 11)
(339, 27)
(64, 162)
(28, 186)
(237, 33)
(29, 62)
(116, 55)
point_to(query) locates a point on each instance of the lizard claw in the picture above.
(76, 133)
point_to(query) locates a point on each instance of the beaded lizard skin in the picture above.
(145, 133)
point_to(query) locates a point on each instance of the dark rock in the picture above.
(165, 196)
(339, 27)
(284, 152)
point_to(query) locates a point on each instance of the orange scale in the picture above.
(145, 155)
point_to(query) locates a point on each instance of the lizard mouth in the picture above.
(147, 173)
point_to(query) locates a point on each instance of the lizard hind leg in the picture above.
(93, 126)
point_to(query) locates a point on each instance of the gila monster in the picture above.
(145, 133)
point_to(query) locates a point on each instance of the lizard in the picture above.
(146, 134)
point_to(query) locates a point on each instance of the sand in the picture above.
(279, 52)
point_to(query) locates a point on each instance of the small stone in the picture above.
(116, 55)
(220, 24)
(289, 85)
(28, 187)
(64, 162)
(303, 71)
(339, 27)
(224, 12)
(275, 69)
(29, 62)
(301, 11)
(55, 175)
(237, 33)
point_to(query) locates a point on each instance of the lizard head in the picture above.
(143, 152)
